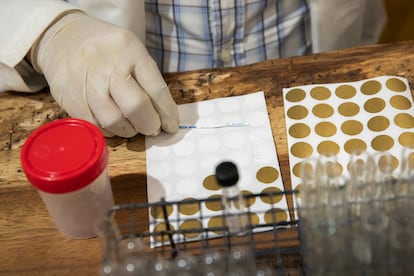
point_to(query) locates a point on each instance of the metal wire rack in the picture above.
(271, 247)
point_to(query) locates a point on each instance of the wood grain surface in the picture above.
(29, 242)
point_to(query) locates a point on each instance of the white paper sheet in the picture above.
(179, 165)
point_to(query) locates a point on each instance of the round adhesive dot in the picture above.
(355, 145)
(378, 123)
(328, 148)
(333, 169)
(371, 87)
(295, 95)
(374, 105)
(256, 118)
(382, 143)
(228, 106)
(188, 206)
(253, 218)
(243, 158)
(249, 200)
(217, 224)
(400, 102)
(206, 108)
(271, 195)
(267, 175)
(262, 155)
(396, 85)
(210, 183)
(185, 167)
(234, 140)
(297, 190)
(296, 169)
(253, 102)
(158, 211)
(259, 137)
(325, 129)
(209, 144)
(161, 170)
(191, 228)
(299, 130)
(352, 127)
(162, 153)
(348, 109)
(345, 91)
(160, 233)
(187, 185)
(404, 120)
(301, 150)
(322, 110)
(183, 148)
(275, 215)
(385, 163)
(406, 139)
(297, 112)
(320, 93)
(214, 203)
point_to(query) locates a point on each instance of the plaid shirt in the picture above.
(192, 34)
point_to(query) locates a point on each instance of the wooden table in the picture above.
(29, 242)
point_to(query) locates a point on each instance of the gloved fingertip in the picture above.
(170, 126)
(156, 132)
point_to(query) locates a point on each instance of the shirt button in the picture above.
(226, 55)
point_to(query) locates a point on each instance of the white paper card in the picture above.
(181, 165)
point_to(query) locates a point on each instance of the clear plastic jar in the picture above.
(66, 160)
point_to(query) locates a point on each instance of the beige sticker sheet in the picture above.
(373, 115)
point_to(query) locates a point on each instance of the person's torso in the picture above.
(187, 35)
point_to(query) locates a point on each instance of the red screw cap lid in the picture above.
(64, 156)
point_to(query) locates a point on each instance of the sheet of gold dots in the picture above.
(373, 115)
(180, 167)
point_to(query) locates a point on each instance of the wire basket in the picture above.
(262, 248)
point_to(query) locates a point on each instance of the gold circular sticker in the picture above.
(322, 110)
(406, 139)
(191, 228)
(396, 85)
(160, 232)
(271, 195)
(275, 215)
(371, 87)
(400, 102)
(158, 211)
(382, 143)
(345, 91)
(404, 120)
(301, 149)
(352, 127)
(355, 146)
(378, 123)
(213, 203)
(374, 105)
(328, 148)
(267, 175)
(325, 129)
(210, 183)
(299, 130)
(320, 93)
(295, 95)
(188, 206)
(348, 109)
(297, 112)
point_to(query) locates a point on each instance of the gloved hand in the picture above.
(104, 74)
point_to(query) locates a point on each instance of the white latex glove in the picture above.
(104, 74)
